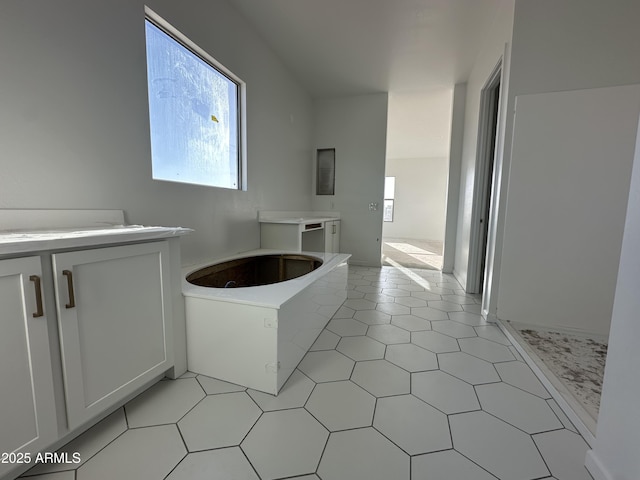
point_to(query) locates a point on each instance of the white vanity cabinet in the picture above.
(27, 408)
(332, 236)
(113, 310)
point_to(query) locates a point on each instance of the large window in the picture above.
(195, 112)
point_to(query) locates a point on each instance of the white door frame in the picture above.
(486, 151)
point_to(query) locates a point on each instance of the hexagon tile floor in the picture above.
(407, 382)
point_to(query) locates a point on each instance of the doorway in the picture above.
(484, 178)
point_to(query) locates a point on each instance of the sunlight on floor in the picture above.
(413, 253)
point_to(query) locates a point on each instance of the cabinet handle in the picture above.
(36, 282)
(72, 299)
(334, 229)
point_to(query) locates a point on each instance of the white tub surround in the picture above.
(256, 336)
(300, 231)
(92, 315)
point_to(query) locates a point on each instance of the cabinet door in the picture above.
(114, 318)
(28, 415)
(332, 236)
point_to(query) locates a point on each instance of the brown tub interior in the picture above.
(254, 271)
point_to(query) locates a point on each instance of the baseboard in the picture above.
(560, 329)
(595, 468)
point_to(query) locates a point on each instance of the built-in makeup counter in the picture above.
(300, 231)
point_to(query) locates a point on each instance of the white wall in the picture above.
(453, 180)
(586, 44)
(357, 128)
(490, 53)
(571, 163)
(420, 198)
(615, 453)
(74, 127)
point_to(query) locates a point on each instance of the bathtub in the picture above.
(255, 336)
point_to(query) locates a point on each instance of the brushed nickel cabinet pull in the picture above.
(72, 299)
(36, 282)
(334, 229)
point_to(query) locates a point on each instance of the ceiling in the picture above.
(349, 47)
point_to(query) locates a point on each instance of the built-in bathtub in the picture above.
(256, 335)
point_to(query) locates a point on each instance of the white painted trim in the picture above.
(177, 35)
(481, 181)
(595, 468)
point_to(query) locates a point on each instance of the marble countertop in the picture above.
(15, 242)
(298, 220)
(297, 217)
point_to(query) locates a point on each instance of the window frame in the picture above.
(390, 199)
(241, 97)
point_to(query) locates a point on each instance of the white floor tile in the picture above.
(222, 464)
(389, 334)
(496, 446)
(411, 302)
(381, 378)
(435, 342)
(410, 322)
(486, 349)
(285, 443)
(564, 452)
(88, 444)
(165, 402)
(445, 306)
(393, 308)
(445, 392)
(293, 394)
(468, 318)
(454, 329)
(327, 340)
(459, 299)
(372, 317)
(213, 386)
(396, 292)
(520, 375)
(446, 465)
(468, 368)
(413, 425)
(362, 454)
(517, 407)
(341, 405)
(491, 332)
(219, 421)
(428, 296)
(346, 327)
(361, 348)
(411, 357)
(142, 454)
(68, 475)
(379, 298)
(561, 415)
(429, 313)
(326, 366)
(359, 304)
(344, 312)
